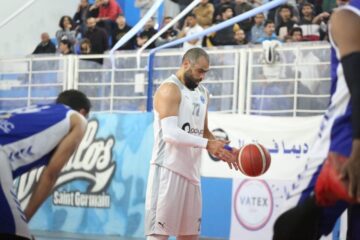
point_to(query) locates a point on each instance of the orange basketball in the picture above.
(254, 160)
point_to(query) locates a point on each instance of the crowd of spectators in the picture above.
(95, 28)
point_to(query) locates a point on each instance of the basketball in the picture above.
(254, 160)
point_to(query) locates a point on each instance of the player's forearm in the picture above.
(42, 190)
(355, 151)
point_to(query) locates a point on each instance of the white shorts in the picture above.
(173, 204)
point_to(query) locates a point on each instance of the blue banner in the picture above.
(102, 188)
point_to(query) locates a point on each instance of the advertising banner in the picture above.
(101, 190)
(288, 140)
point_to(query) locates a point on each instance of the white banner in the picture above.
(255, 206)
(288, 140)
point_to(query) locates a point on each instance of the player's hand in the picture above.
(217, 149)
(350, 172)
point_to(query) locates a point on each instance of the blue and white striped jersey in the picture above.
(29, 135)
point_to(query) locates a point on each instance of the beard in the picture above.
(190, 82)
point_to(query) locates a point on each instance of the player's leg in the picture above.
(300, 222)
(157, 237)
(12, 221)
(353, 232)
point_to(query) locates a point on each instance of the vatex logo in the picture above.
(253, 204)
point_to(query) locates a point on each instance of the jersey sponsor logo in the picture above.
(92, 162)
(195, 131)
(202, 99)
(253, 204)
(6, 126)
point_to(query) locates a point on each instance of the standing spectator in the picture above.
(119, 31)
(182, 5)
(204, 13)
(242, 6)
(45, 46)
(190, 28)
(240, 37)
(67, 30)
(97, 37)
(94, 9)
(311, 30)
(257, 30)
(167, 36)
(219, 7)
(144, 6)
(65, 47)
(269, 32)
(225, 36)
(286, 22)
(108, 12)
(81, 15)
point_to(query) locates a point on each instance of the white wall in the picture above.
(21, 35)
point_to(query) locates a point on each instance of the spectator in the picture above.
(94, 9)
(219, 7)
(204, 13)
(240, 37)
(67, 30)
(225, 36)
(191, 27)
(144, 6)
(182, 5)
(45, 46)
(65, 47)
(97, 37)
(119, 31)
(108, 12)
(85, 46)
(257, 30)
(311, 30)
(149, 31)
(269, 32)
(82, 13)
(242, 6)
(88, 63)
(167, 36)
(286, 22)
(296, 34)
(141, 39)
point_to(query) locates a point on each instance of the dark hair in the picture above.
(66, 42)
(75, 99)
(307, 4)
(191, 15)
(226, 7)
(295, 29)
(194, 54)
(267, 22)
(61, 24)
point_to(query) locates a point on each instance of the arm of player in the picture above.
(63, 152)
(348, 42)
(166, 103)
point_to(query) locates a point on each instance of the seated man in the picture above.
(32, 137)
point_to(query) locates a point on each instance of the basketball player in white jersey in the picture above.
(31, 137)
(330, 183)
(173, 198)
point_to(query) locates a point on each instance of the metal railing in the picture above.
(296, 84)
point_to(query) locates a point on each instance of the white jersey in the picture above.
(192, 112)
